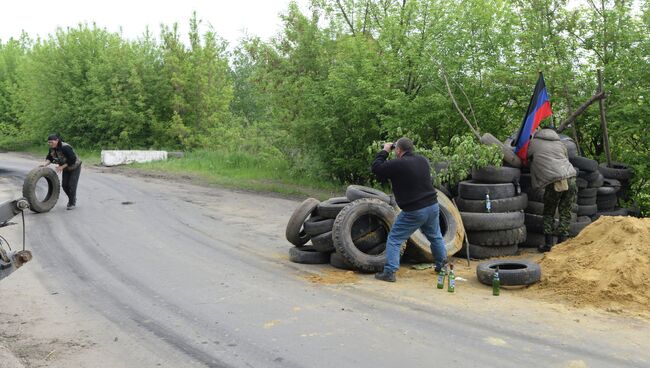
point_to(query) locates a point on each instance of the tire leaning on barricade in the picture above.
(342, 232)
(53, 189)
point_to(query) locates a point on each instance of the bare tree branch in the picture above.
(580, 110)
(345, 16)
(476, 132)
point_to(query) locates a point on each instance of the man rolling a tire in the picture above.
(410, 176)
(550, 169)
(69, 165)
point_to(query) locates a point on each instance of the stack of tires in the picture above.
(589, 180)
(500, 231)
(616, 188)
(360, 220)
(350, 232)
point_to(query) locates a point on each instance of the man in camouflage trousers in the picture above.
(550, 169)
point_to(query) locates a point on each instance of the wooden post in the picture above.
(603, 122)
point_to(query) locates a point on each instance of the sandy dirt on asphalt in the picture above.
(606, 266)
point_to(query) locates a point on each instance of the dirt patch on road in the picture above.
(333, 277)
(607, 266)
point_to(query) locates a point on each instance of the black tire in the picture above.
(370, 240)
(614, 212)
(323, 242)
(534, 240)
(589, 176)
(536, 195)
(600, 180)
(295, 232)
(338, 261)
(607, 182)
(341, 231)
(316, 225)
(588, 192)
(331, 207)
(53, 189)
(479, 252)
(496, 175)
(492, 221)
(535, 208)
(587, 201)
(512, 272)
(588, 210)
(618, 171)
(581, 183)
(584, 164)
(606, 201)
(571, 147)
(605, 191)
(526, 182)
(355, 192)
(473, 190)
(308, 255)
(497, 238)
(576, 227)
(510, 204)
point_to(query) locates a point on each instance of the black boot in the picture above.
(385, 276)
(562, 239)
(548, 244)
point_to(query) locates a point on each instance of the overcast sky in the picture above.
(229, 18)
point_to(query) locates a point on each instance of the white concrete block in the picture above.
(118, 157)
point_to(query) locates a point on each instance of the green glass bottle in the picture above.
(452, 279)
(441, 278)
(496, 283)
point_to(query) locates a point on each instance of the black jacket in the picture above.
(410, 176)
(62, 154)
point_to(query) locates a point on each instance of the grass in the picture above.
(234, 170)
(240, 170)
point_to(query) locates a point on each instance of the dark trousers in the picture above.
(69, 185)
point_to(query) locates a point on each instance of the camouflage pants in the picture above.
(562, 201)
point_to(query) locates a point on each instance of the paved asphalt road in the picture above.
(200, 277)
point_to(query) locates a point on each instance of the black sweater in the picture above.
(410, 176)
(62, 154)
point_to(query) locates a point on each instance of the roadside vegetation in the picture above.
(309, 106)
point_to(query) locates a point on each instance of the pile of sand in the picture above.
(606, 266)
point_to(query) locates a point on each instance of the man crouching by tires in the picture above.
(63, 155)
(410, 176)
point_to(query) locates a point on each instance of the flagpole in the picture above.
(603, 122)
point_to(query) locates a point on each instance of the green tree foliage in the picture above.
(337, 79)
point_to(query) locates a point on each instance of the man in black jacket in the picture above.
(410, 176)
(63, 155)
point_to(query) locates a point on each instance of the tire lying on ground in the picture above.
(512, 272)
(338, 261)
(471, 189)
(53, 189)
(451, 228)
(481, 252)
(355, 192)
(496, 175)
(341, 232)
(308, 255)
(510, 204)
(295, 233)
(492, 221)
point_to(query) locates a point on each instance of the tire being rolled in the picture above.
(342, 232)
(53, 189)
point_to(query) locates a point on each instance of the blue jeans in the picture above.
(406, 223)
